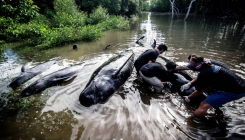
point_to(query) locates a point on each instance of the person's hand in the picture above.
(185, 87)
(187, 99)
(169, 84)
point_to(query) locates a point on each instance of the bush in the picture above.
(67, 14)
(32, 30)
(58, 36)
(98, 15)
(67, 25)
(114, 22)
(63, 19)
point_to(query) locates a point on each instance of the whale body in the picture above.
(107, 79)
(55, 78)
(30, 73)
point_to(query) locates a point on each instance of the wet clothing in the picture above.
(222, 79)
(145, 57)
(155, 70)
(226, 85)
(154, 74)
(218, 98)
(154, 81)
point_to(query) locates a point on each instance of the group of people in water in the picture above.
(213, 77)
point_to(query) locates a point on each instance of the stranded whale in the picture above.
(27, 74)
(55, 78)
(107, 79)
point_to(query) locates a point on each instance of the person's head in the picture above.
(192, 55)
(162, 48)
(195, 60)
(170, 66)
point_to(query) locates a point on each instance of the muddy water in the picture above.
(132, 112)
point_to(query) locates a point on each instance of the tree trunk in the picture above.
(172, 6)
(189, 8)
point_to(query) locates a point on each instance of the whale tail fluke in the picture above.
(139, 39)
(153, 45)
(107, 47)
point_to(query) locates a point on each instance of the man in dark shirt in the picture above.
(190, 67)
(156, 75)
(149, 55)
(226, 86)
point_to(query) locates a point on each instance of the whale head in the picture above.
(96, 92)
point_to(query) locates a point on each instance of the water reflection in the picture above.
(133, 112)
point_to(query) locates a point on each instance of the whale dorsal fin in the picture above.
(153, 45)
(118, 71)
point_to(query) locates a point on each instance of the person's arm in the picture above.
(195, 94)
(181, 68)
(192, 82)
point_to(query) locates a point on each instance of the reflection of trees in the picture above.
(230, 30)
(234, 31)
(228, 34)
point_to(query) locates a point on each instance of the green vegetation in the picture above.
(66, 24)
(13, 103)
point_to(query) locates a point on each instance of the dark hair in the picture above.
(162, 47)
(192, 55)
(170, 65)
(197, 59)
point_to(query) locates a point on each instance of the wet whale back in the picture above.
(107, 79)
(27, 75)
(52, 79)
(126, 69)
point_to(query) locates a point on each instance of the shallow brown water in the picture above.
(132, 112)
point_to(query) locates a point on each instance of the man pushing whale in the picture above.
(224, 85)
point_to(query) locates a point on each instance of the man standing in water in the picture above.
(149, 55)
(225, 85)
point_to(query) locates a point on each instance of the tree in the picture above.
(174, 9)
(20, 10)
(189, 8)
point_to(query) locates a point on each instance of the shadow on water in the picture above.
(133, 112)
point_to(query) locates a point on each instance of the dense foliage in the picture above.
(64, 24)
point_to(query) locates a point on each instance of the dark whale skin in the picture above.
(107, 79)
